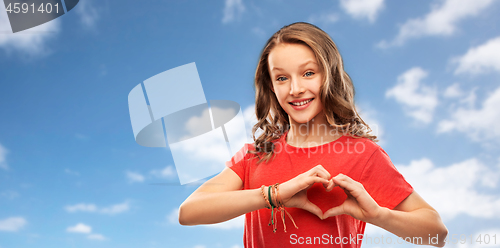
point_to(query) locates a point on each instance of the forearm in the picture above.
(215, 207)
(420, 225)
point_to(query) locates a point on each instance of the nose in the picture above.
(296, 88)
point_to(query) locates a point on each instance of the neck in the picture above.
(312, 133)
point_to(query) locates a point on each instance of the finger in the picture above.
(319, 170)
(345, 182)
(345, 178)
(327, 173)
(338, 210)
(330, 186)
(311, 207)
(350, 186)
(313, 179)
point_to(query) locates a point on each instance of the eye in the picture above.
(281, 79)
(309, 73)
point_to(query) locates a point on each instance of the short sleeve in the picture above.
(383, 181)
(238, 162)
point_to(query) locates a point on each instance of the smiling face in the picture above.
(296, 80)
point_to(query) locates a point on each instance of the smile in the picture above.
(302, 102)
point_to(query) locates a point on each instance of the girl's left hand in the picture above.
(359, 204)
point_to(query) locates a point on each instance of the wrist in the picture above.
(382, 215)
(265, 195)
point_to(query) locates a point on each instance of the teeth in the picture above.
(301, 103)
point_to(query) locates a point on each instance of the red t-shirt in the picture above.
(359, 158)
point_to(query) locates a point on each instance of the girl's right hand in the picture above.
(293, 192)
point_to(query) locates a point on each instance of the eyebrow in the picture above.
(300, 66)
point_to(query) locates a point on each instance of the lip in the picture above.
(303, 106)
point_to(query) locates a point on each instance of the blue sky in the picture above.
(71, 174)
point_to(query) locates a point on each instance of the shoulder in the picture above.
(246, 151)
(249, 146)
(238, 161)
(366, 145)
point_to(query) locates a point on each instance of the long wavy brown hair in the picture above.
(336, 93)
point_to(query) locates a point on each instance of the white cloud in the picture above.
(442, 20)
(79, 228)
(96, 236)
(362, 9)
(470, 99)
(173, 216)
(259, 31)
(70, 172)
(375, 231)
(193, 124)
(92, 208)
(85, 229)
(417, 99)
(167, 172)
(479, 124)
(455, 189)
(453, 91)
(199, 246)
(480, 59)
(88, 13)
(12, 224)
(250, 119)
(134, 177)
(232, 10)
(116, 209)
(368, 115)
(30, 42)
(324, 19)
(3, 156)
(81, 207)
(488, 238)
(9, 194)
(459, 97)
(236, 223)
(249, 115)
(210, 148)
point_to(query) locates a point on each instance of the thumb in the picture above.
(338, 210)
(311, 207)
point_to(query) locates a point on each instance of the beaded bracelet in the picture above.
(268, 206)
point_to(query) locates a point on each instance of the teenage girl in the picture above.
(314, 175)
